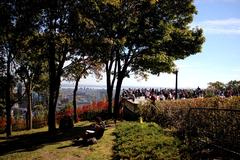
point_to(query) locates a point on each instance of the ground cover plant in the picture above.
(144, 141)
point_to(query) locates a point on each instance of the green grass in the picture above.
(144, 141)
(128, 140)
(37, 144)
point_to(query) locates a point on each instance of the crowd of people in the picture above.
(170, 94)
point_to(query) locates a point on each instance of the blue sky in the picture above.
(220, 56)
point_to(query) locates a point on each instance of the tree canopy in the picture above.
(142, 37)
(127, 36)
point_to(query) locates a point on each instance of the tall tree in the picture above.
(144, 37)
(103, 44)
(31, 62)
(54, 18)
(2, 78)
(16, 22)
(216, 86)
(234, 85)
(81, 68)
(56, 22)
(8, 38)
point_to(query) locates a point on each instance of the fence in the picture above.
(218, 128)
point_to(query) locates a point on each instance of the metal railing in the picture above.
(219, 128)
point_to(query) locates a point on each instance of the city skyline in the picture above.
(218, 61)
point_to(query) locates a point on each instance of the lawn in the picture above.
(125, 140)
(140, 141)
(37, 144)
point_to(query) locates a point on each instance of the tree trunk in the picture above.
(74, 99)
(117, 96)
(109, 94)
(8, 98)
(29, 106)
(51, 109)
(8, 108)
(53, 96)
(52, 88)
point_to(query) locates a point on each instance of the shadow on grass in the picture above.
(76, 143)
(34, 141)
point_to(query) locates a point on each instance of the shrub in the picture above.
(89, 111)
(39, 122)
(175, 113)
(213, 123)
(18, 124)
(144, 141)
(66, 122)
(2, 124)
(39, 116)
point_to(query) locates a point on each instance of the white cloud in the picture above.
(223, 26)
(236, 70)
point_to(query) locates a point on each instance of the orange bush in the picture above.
(213, 102)
(3, 122)
(174, 112)
(19, 124)
(93, 107)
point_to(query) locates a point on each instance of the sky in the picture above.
(220, 56)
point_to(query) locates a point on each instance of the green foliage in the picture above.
(216, 85)
(40, 112)
(154, 64)
(144, 141)
(141, 37)
(233, 84)
(127, 36)
(81, 68)
(68, 106)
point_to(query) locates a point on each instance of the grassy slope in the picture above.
(134, 141)
(144, 141)
(58, 148)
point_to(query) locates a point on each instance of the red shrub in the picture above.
(19, 124)
(3, 122)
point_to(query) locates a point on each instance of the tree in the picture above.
(54, 16)
(17, 23)
(86, 33)
(78, 69)
(54, 22)
(31, 62)
(2, 64)
(2, 78)
(216, 86)
(143, 37)
(8, 39)
(61, 25)
(234, 85)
